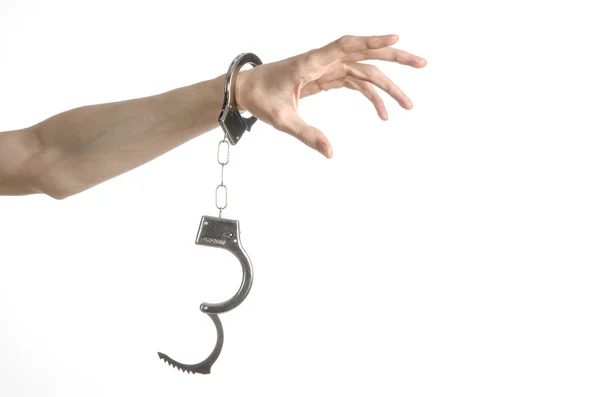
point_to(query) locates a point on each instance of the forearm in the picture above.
(89, 145)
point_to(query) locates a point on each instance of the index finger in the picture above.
(345, 45)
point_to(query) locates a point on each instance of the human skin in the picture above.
(83, 147)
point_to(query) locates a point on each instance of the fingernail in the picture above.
(324, 150)
(423, 61)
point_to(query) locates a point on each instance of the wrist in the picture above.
(240, 96)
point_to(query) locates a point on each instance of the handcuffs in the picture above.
(220, 232)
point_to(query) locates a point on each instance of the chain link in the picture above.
(223, 160)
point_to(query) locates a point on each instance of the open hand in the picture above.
(271, 92)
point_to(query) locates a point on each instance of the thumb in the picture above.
(309, 135)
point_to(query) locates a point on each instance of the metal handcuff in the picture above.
(220, 232)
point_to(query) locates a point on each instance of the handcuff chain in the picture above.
(233, 124)
(223, 160)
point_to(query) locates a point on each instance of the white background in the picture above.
(450, 251)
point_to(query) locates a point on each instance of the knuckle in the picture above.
(310, 58)
(301, 66)
(351, 83)
(303, 136)
(371, 70)
(358, 56)
(365, 89)
(400, 56)
(344, 41)
(397, 92)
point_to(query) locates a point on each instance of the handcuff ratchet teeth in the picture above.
(205, 366)
(220, 232)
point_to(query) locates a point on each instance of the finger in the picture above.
(364, 87)
(368, 91)
(373, 75)
(387, 54)
(345, 45)
(309, 135)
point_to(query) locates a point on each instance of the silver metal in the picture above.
(220, 232)
(222, 188)
(223, 160)
(204, 366)
(225, 233)
(233, 123)
(223, 152)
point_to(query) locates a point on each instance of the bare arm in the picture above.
(18, 150)
(80, 148)
(75, 150)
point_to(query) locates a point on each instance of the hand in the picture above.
(271, 92)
